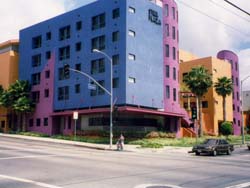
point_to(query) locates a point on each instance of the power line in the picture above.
(237, 7)
(215, 19)
(217, 4)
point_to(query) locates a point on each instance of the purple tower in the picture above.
(171, 59)
(232, 58)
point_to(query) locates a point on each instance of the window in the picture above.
(232, 79)
(36, 60)
(233, 107)
(166, 12)
(45, 121)
(35, 79)
(173, 12)
(115, 59)
(238, 109)
(64, 53)
(115, 36)
(167, 91)
(167, 71)
(48, 55)
(93, 92)
(98, 43)
(131, 57)
(77, 88)
(78, 25)
(61, 75)
(131, 80)
(78, 46)
(48, 36)
(78, 67)
(167, 29)
(238, 97)
(46, 93)
(239, 123)
(236, 66)
(131, 9)
(116, 13)
(38, 122)
(47, 74)
(167, 50)
(97, 66)
(100, 90)
(131, 33)
(37, 42)
(63, 93)
(237, 81)
(31, 123)
(234, 120)
(174, 53)
(35, 96)
(174, 94)
(173, 33)
(98, 21)
(204, 104)
(115, 82)
(174, 73)
(64, 33)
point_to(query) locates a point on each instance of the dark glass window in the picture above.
(167, 50)
(78, 67)
(97, 66)
(173, 32)
(174, 94)
(61, 75)
(78, 25)
(115, 36)
(45, 121)
(98, 43)
(77, 88)
(47, 74)
(115, 59)
(36, 60)
(204, 104)
(64, 53)
(46, 93)
(167, 29)
(174, 73)
(100, 90)
(48, 36)
(63, 93)
(115, 82)
(78, 46)
(38, 122)
(98, 21)
(35, 96)
(173, 12)
(64, 33)
(167, 71)
(166, 12)
(167, 91)
(174, 53)
(116, 13)
(37, 42)
(48, 54)
(31, 123)
(35, 79)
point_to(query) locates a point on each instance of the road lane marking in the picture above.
(29, 181)
(156, 185)
(29, 156)
(243, 185)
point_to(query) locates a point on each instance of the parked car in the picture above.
(213, 147)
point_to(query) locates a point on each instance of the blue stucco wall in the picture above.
(147, 46)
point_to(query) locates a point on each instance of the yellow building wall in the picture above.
(213, 114)
(9, 74)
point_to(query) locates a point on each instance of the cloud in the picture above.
(18, 14)
(204, 36)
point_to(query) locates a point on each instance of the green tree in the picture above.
(226, 128)
(198, 80)
(224, 87)
(17, 99)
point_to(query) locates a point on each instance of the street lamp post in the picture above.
(111, 94)
(242, 112)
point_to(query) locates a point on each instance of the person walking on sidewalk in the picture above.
(120, 143)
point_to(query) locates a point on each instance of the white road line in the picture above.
(243, 185)
(29, 156)
(29, 181)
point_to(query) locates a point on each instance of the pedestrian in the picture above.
(120, 143)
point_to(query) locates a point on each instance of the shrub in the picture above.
(226, 128)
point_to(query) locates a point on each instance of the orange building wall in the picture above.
(214, 113)
(8, 74)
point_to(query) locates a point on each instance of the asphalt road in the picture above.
(31, 164)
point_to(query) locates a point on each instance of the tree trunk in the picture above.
(224, 107)
(18, 122)
(24, 122)
(200, 117)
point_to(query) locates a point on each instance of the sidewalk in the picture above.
(129, 148)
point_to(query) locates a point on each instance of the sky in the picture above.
(222, 26)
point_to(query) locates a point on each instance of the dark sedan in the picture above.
(213, 147)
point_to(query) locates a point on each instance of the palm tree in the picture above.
(224, 87)
(198, 80)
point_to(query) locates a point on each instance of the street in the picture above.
(32, 164)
